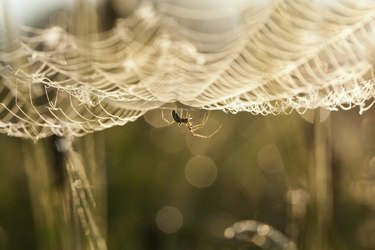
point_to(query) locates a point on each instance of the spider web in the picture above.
(264, 58)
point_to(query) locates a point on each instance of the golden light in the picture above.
(169, 219)
(201, 171)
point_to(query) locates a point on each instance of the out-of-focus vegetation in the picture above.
(170, 190)
(159, 187)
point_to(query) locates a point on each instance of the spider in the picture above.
(180, 119)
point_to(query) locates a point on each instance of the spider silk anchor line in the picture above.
(267, 57)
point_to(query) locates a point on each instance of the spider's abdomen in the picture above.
(176, 117)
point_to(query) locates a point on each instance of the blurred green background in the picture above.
(167, 189)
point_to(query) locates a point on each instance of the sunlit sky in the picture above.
(25, 11)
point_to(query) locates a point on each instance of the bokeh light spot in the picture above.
(259, 240)
(201, 171)
(169, 219)
(229, 233)
(263, 230)
(155, 118)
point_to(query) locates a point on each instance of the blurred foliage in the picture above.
(146, 172)
(263, 166)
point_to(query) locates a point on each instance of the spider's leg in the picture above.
(204, 121)
(165, 119)
(199, 135)
(194, 133)
(194, 128)
(213, 133)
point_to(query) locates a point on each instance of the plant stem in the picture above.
(65, 213)
(321, 183)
